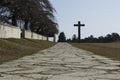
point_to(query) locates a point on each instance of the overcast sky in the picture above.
(100, 16)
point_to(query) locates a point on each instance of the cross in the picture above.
(79, 30)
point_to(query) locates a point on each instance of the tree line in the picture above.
(113, 37)
(35, 15)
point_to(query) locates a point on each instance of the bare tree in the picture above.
(36, 14)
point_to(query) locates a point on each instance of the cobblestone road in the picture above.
(61, 62)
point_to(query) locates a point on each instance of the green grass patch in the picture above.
(11, 49)
(110, 50)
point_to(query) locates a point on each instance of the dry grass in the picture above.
(11, 49)
(111, 50)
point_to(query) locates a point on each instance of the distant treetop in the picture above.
(61, 37)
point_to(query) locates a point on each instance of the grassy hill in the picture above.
(111, 50)
(11, 49)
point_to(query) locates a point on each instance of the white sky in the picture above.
(100, 16)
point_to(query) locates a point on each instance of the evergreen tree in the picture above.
(61, 37)
(74, 38)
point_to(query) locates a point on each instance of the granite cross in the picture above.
(79, 30)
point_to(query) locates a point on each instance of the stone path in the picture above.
(61, 62)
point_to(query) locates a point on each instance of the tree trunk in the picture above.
(14, 21)
(54, 40)
(23, 34)
(26, 25)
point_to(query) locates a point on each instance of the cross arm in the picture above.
(75, 24)
(79, 24)
(82, 25)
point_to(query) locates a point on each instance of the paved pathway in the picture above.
(61, 62)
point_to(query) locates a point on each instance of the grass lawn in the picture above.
(11, 49)
(110, 50)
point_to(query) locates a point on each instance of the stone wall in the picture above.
(28, 34)
(9, 31)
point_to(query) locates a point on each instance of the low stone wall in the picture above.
(9, 31)
(31, 35)
(44, 38)
(28, 34)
